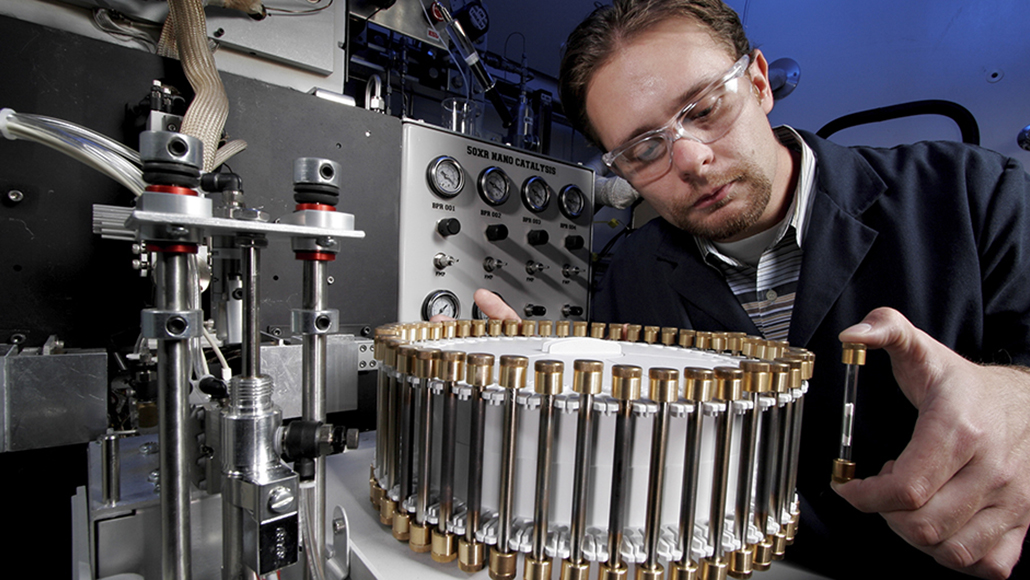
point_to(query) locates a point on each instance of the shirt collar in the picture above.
(797, 215)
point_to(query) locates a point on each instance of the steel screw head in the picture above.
(15, 196)
(280, 499)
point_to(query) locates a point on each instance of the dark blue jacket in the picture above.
(940, 231)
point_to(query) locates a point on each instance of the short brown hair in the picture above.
(594, 41)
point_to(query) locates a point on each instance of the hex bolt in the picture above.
(148, 448)
(330, 280)
(339, 526)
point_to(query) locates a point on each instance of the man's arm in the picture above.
(960, 490)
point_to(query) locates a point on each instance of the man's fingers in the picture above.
(493, 306)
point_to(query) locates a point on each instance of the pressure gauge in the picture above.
(493, 186)
(536, 194)
(441, 302)
(571, 201)
(446, 176)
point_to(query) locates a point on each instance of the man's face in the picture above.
(721, 190)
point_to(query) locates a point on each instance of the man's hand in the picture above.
(960, 491)
(493, 306)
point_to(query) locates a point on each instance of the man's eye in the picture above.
(647, 151)
(704, 111)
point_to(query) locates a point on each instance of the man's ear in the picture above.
(759, 71)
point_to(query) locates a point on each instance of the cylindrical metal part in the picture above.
(250, 263)
(573, 571)
(479, 374)
(651, 334)
(626, 381)
(729, 384)
(596, 331)
(686, 337)
(503, 564)
(451, 370)
(406, 455)
(536, 568)
(633, 333)
(111, 479)
(669, 335)
(173, 371)
(471, 555)
(426, 360)
(697, 386)
(313, 397)
(579, 328)
(545, 328)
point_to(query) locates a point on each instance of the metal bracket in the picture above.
(315, 321)
(171, 324)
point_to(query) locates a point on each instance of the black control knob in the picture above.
(570, 310)
(538, 237)
(448, 226)
(497, 232)
(573, 243)
(535, 310)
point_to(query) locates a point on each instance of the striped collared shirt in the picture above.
(762, 271)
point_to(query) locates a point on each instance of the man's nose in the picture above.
(690, 157)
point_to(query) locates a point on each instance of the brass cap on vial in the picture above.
(533, 569)
(450, 328)
(618, 572)
(528, 328)
(615, 332)
(703, 340)
(510, 328)
(387, 509)
(479, 369)
(763, 554)
(445, 547)
(401, 526)
(633, 333)
(451, 366)
(681, 571)
(502, 564)
(645, 572)
(426, 362)
(735, 342)
(742, 563)
(435, 330)
(729, 383)
(471, 556)
(796, 367)
(719, 341)
(390, 346)
(686, 338)
(420, 539)
(478, 328)
(579, 328)
(780, 376)
(562, 328)
(587, 376)
(779, 544)
(843, 471)
(651, 334)
(698, 384)
(572, 571)
(626, 382)
(853, 353)
(493, 327)
(406, 359)
(597, 329)
(376, 493)
(548, 378)
(421, 331)
(665, 385)
(669, 335)
(513, 371)
(713, 569)
(757, 376)
(545, 328)
(806, 355)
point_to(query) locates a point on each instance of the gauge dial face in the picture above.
(446, 177)
(571, 201)
(536, 194)
(441, 302)
(493, 186)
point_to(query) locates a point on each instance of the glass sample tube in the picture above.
(625, 389)
(451, 369)
(513, 378)
(480, 374)
(664, 391)
(698, 387)
(547, 384)
(586, 381)
(853, 356)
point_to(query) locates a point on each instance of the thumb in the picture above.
(915, 356)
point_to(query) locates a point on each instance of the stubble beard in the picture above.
(753, 187)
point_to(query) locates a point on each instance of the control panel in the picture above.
(475, 214)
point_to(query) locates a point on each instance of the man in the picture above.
(921, 251)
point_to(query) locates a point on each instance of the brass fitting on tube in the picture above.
(651, 334)
(763, 554)
(606, 572)
(420, 538)
(478, 328)
(471, 556)
(387, 509)
(633, 333)
(563, 328)
(597, 329)
(664, 385)
(534, 569)
(615, 332)
(681, 571)
(669, 335)
(479, 369)
(401, 526)
(503, 565)
(645, 572)
(545, 328)
(493, 327)
(626, 382)
(686, 338)
(571, 571)
(445, 547)
(714, 570)
(579, 328)
(528, 328)
(703, 340)
(742, 563)
(511, 328)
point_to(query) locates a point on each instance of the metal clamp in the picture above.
(171, 324)
(315, 321)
